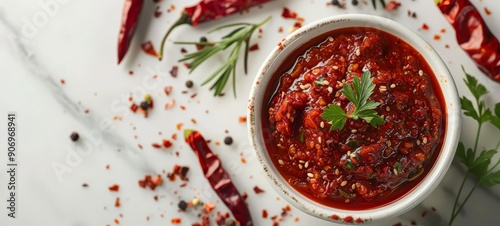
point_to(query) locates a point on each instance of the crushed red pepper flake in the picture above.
(158, 12)
(174, 136)
(140, 146)
(487, 11)
(264, 213)
(257, 190)
(243, 160)
(254, 47)
(193, 120)
(425, 27)
(183, 107)
(413, 222)
(107, 166)
(424, 213)
(180, 171)
(131, 72)
(174, 71)
(242, 119)
(117, 221)
(117, 202)
(167, 143)
(170, 104)
(168, 90)
(296, 219)
(193, 95)
(433, 209)
(288, 13)
(280, 29)
(398, 224)
(178, 126)
(63, 82)
(348, 219)
(183, 51)
(176, 220)
(437, 37)
(149, 182)
(85, 185)
(392, 5)
(149, 49)
(187, 65)
(114, 187)
(156, 145)
(443, 30)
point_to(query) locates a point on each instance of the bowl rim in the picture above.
(432, 178)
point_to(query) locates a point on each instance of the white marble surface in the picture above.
(76, 41)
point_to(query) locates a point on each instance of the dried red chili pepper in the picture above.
(473, 35)
(130, 17)
(219, 178)
(207, 10)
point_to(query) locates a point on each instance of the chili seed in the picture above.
(353, 186)
(144, 105)
(424, 140)
(335, 67)
(306, 165)
(358, 52)
(393, 86)
(195, 201)
(343, 183)
(230, 222)
(322, 124)
(420, 72)
(189, 83)
(182, 205)
(228, 140)
(281, 162)
(330, 38)
(74, 136)
(310, 175)
(337, 171)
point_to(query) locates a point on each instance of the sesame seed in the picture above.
(382, 88)
(306, 165)
(343, 183)
(310, 175)
(330, 38)
(387, 108)
(354, 131)
(335, 67)
(358, 52)
(281, 162)
(424, 140)
(393, 86)
(420, 72)
(322, 124)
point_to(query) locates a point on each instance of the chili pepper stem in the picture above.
(188, 132)
(184, 19)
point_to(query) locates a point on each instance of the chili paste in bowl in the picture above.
(366, 169)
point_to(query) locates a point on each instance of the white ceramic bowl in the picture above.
(302, 36)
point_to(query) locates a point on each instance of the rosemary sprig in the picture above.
(236, 39)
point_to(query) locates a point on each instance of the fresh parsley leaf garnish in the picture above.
(477, 162)
(319, 81)
(358, 94)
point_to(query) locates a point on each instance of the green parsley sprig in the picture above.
(358, 94)
(477, 163)
(237, 38)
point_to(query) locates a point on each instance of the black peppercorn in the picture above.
(335, 2)
(144, 105)
(182, 205)
(74, 136)
(189, 83)
(228, 140)
(203, 39)
(355, 2)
